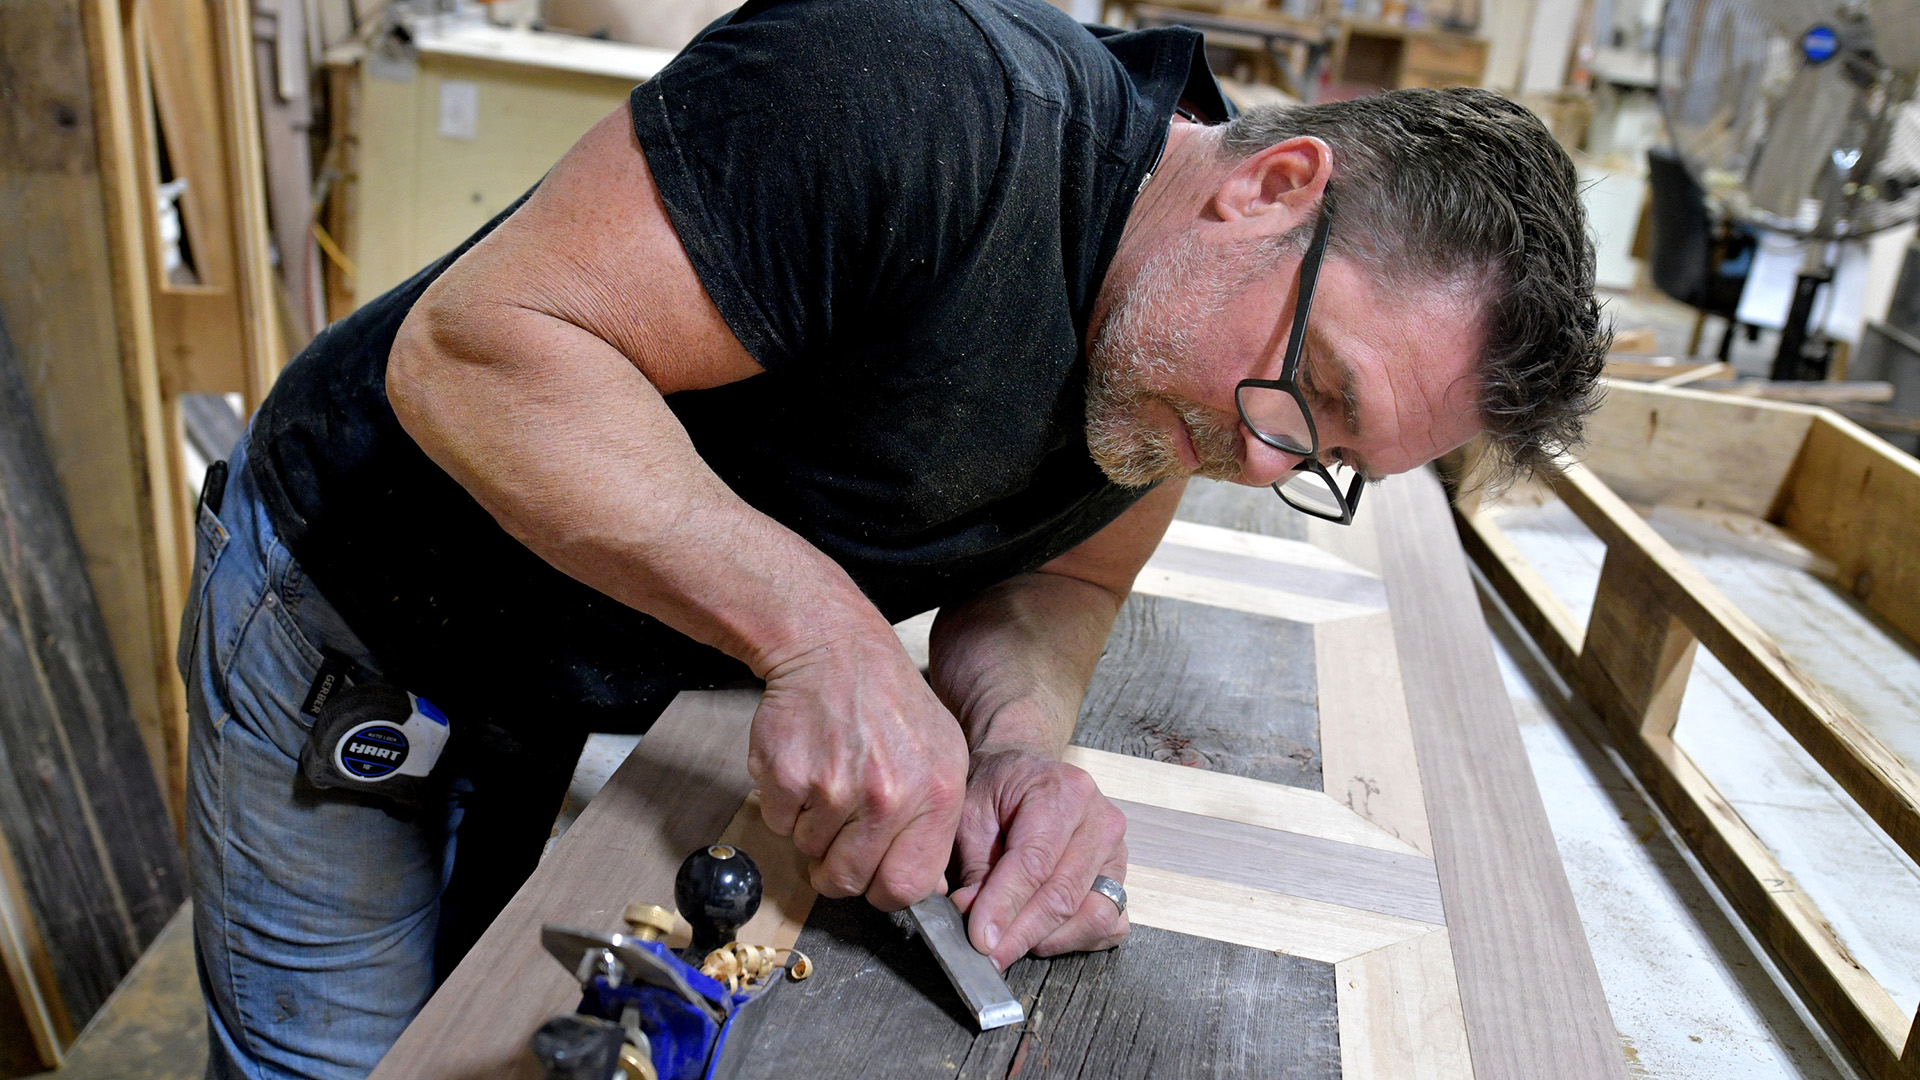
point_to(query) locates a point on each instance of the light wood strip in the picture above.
(1259, 919)
(1531, 995)
(1252, 599)
(1232, 798)
(787, 894)
(1659, 445)
(676, 792)
(1283, 862)
(1400, 1013)
(1277, 549)
(1317, 581)
(1884, 786)
(1366, 738)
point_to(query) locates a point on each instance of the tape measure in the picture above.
(372, 738)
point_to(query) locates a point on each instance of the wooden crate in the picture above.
(1850, 499)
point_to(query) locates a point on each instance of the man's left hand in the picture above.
(1034, 832)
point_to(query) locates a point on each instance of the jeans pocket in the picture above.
(210, 539)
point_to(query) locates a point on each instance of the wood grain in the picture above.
(1271, 860)
(1366, 737)
(678, 791)
(1298, 553)
(787, 894)
(1165, 1005)
(1226, 506)
(1886, 787)
(1856, 500)
(1206, 686)
(1281, 574)
(93, 871)
(1400, 1012)
(1158, 580)
(1645, 654)
(1658, 445)
(1531, 995)
(1636, 635)
(1259, 919)
(75, 299)
(1233, 798)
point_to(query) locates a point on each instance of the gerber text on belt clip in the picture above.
(370, 738)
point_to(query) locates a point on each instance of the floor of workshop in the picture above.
(1691, 992)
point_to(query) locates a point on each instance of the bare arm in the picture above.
(1013, 663)
(533, 371)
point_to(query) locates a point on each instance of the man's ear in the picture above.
(1276, 187)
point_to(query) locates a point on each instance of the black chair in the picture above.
(1697, 258)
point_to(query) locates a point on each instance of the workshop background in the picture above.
(189, 189)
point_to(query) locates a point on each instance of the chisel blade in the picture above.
(970, 971)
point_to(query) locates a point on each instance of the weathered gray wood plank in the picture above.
(81, 814)
(1206, 686)
(1165, 1005)
(1232, 506)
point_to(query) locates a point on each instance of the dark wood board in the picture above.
(675, 793)
(1532, 997)
(1206, 686)
(1165, 1005)
(97, 868)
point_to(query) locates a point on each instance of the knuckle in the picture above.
(897, 889)
(1058, 899)
(1035, 863)
(1079, 783)
(834, 883)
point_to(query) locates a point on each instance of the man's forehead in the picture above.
(1401, 379)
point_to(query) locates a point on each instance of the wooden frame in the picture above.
(1850, 498)
(1422, 870)
(108, 346)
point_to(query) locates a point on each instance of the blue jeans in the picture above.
(314, 918)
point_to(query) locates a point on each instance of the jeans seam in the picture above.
(241, 1032)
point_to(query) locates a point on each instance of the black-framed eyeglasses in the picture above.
(1276, 412)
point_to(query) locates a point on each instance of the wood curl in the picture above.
(739, 966)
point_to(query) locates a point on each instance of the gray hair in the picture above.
(1466, 190)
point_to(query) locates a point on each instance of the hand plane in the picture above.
(648, 1014)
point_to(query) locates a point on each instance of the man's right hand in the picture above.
(861, 764)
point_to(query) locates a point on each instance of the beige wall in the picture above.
(662, 24)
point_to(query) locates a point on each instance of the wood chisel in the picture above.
(971, 972)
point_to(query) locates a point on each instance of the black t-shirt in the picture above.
(904, 210)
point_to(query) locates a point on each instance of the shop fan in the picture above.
(1798, 116)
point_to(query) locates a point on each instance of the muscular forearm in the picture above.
(1014, 661)
(576, 454)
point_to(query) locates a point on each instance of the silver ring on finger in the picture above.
(1111, 889)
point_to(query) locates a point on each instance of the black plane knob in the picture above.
(717, 891)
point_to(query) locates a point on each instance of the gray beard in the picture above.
(1147, 336)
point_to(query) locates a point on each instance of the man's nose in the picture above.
(1261, 464)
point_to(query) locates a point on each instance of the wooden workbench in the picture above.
(1340, 866)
